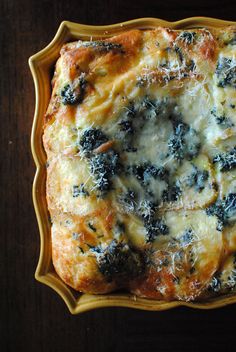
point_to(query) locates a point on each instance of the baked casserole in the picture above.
(140, 137)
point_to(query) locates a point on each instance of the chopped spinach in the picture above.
(225, 121)
(118, 261)
(231, 282)
(154, 228)
(151, 108)
(71, 95)
(128, 201)
(91, 139)
(172, 193)
(126, 126)
(187, 37)
(230, 206)
(144, 172)
(147, 209)
(215, 285)
(224, 210)
(217, 209)
(79, 191)
(184, 143)
(179, 53)
(130, 110)
(222, 119)
(227, 161)
(187, 237)
(103, 167)
(68, 95)
(197, 179)
(135, 118)
(222, 283)
(226, 72)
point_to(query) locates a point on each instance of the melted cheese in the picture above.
(135, 133)
(182, 263)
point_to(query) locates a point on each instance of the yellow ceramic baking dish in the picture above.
(41, 65)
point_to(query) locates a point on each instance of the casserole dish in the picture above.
(41, 65)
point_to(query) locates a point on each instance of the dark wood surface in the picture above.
(33, 317)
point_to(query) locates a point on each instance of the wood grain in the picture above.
(33, 317)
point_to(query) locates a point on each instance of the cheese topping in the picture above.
(140, 136)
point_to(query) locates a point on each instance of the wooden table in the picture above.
(33, 317)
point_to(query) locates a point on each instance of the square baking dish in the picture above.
(41, 66)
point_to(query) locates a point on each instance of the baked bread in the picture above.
(140, 136)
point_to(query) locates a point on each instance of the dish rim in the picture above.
(40, 65)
